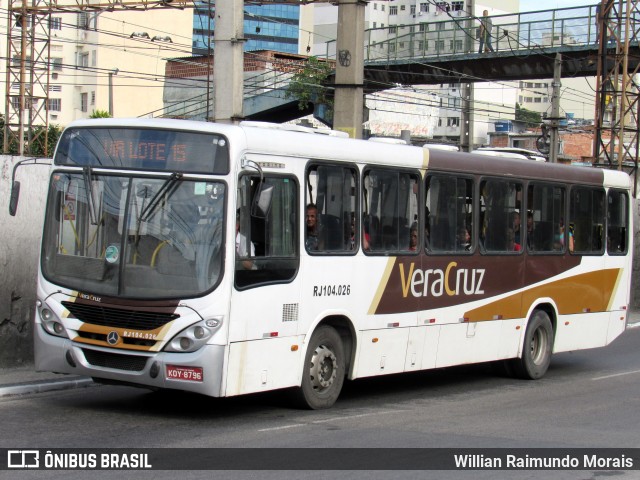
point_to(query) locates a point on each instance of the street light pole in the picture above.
(111, 74)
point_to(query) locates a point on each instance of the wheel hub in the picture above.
(324, 368)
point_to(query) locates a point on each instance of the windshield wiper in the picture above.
(168, 187)
(88, 186)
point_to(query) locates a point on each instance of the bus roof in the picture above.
(254, 137)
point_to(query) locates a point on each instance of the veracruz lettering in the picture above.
(438, 282)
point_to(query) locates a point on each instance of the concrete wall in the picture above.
(19, 253)
(20, 249)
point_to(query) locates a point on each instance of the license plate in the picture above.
(192, 374)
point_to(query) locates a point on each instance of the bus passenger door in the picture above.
(265, 298)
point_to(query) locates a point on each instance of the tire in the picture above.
(323, 370)
(536, 350)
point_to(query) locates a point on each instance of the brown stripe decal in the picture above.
(586, 292)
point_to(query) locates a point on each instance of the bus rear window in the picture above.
(144, 149)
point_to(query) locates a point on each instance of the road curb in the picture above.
(44, 386)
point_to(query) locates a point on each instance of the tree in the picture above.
(308, 85)
(37, 147)
(100, 114)
(527, 116)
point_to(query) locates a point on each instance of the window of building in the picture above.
(375, 24)
(55, 88)
(56, 64)
(453, 121)
(83, 59)
(84, 102)
(393, 10)
(439, 45)
(93, 97)
(402, 8)
(382, 7)
(537, 100)
(424, 7)
(457, 6)
(55, 23)
(83, 20)
(455, 45)
(424, 27)
(412, 9)
(55, 105)
(392, 48)
(449, 214)
(528, 99)
(441, 26)
(392, 28)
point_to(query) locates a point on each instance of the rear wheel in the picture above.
(324, 370)
(537, 348)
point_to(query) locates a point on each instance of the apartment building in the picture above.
(412, 28)
(111, 61)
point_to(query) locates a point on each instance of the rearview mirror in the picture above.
(13, 201)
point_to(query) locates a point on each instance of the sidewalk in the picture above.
(24, 379)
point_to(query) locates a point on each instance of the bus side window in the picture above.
(449, 203)
(269, 252)
(391, 209)
(499, 200)
(587, 217)
(617, 222)
(330, 215)
(547, 206)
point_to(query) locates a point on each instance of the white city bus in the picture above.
(183, 255)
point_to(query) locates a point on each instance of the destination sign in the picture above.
(144, 149)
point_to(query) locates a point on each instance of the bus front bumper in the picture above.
(199, 371)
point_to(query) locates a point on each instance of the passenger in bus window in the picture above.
(515, 223)
(244, 248)
(413, 237)
(529, 229)
(311, 218)
(464, 239)
(512, 246)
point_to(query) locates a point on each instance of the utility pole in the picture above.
(228, 78)
(555, 109)
(349, 92)
(467, 88)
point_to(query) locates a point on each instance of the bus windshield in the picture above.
(134, 237)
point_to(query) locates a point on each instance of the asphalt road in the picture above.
(588, 399)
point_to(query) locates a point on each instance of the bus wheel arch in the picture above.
(326, 363)
(537, 346)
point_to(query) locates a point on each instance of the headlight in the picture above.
(192, 338)
(49, 321)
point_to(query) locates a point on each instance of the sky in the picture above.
(533, 5)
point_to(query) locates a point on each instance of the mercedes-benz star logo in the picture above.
(112, 338)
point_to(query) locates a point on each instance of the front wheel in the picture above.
(537, 348)
(324, 370)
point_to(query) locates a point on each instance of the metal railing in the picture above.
(457, 34)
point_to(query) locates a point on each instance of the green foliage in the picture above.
(308, 86)
(527, 116)
(100, 114)
(34, 140)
